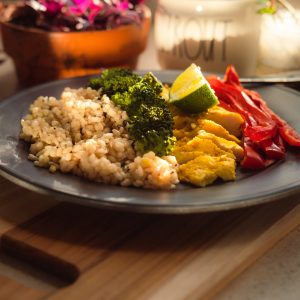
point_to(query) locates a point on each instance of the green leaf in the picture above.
(267, 10)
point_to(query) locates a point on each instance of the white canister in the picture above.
(210, 33)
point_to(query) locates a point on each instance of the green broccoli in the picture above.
(151, 123)
(150, 120)
(112, 81)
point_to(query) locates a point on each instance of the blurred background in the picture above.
(217, 33)
(211, 33)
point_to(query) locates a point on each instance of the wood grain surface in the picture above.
(18, 205)
(13, 290)
(97, 254)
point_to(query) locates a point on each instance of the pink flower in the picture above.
(52, 7)
(78, 15)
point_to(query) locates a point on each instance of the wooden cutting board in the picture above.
(99, 254)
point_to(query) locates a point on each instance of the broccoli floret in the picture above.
(151, 126)
(146, 92)
(122, 99)
(152, 140)
(152, 81)
(150, 120)
(112, 81)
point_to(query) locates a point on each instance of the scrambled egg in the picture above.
(207, 145)
(231, 121)
(205, 169)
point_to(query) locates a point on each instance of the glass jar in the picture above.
(280, 42)
(210, 33)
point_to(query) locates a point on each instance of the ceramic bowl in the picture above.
(41, 56)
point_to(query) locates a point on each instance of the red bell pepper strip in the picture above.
(231, 77)
(260, 125)
(288, 133)
(252, 159)
(259, 133)
(264, 133)
(272, 149)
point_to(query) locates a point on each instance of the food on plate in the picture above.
(132, 130)
(150, 121)
(231, 121)
(205, 150)
(191, 92)
(265, 135)
(205, 169)
(86, 133)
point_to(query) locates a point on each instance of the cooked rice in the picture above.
(86, 134)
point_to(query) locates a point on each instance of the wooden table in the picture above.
(73, 252)
(65, 251)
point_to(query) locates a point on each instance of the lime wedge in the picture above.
(191, 92)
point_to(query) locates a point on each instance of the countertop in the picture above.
(274, 276)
